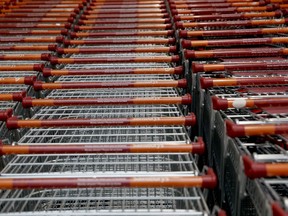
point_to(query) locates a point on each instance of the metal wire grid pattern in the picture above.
(277, 189)
(106, 135)
(107, 112)
(245, 116)
(4, 89)
(233, 92)
(7, 105)
(104, 165)
(105, 201)
(262, 149)
(114, 78)
(111, 93)
(118, 65)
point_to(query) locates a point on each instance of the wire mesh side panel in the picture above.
(104, 201)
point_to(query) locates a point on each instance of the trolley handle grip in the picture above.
(229, 33)
(247, 23)
(197, 147)
(198, 67)
(229, 53)
(50, 72)
(28, 102)
(29, 80)
(235, 130)
(55, 60)
(15, 123)
(35, 67)
(43, 57)
(172, 49)
(223, 104)
(207, 180)
(233, 42)
(219, 82)
(259, 170)
(16, 96)
(38, 85)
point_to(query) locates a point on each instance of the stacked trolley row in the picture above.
(110, 133)
(237, 56)
(27, 41)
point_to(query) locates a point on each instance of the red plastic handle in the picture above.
(253, 81)
(208, 180)
(258, 170)
(29, 102)
(236, 130)
(14, 123)
(223, 104)
(49, 72)
(194, 147)
(82, 85)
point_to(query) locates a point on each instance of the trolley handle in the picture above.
(16, 96)
(51, 72)
(33, 67)
(14, 122)
(121, 16)
(158, 59)
(123, 6)
(192, 5)
(197, 67)
(223, 82)
(39, 15)
(232, 16)
(259, 170)
(121, 41)
(171, 49)
(230, 53)
(31, 102)
(58, 39)
(229, 33)
(223, 104)
(236, 130)
(29, 80)
(124, 11)
(120, 27)
(247, 23)
(21, 25)
(206, 1)
(197, 147)
(122, 33)
(233, 42)
(120, 21)
(200, 11)
(5, 114)
(29, 48)
(207, 180)
(28, 57)
(36, 20)
(38, 85)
